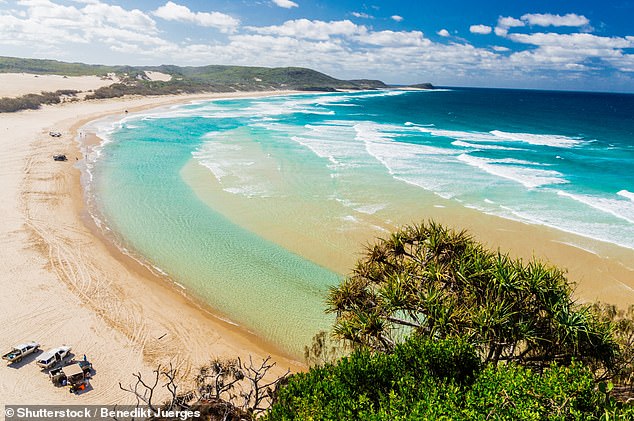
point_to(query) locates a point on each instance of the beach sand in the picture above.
(16, 84)
(63, 283)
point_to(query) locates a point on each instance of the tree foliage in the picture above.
(441, 379)
(622, 371)
(439, 283)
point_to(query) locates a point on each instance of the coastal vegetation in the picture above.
(439, 327)
(433, 325)
(423, 378)
(133, 80)
(439, 283)
(34, 101)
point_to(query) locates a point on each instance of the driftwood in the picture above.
(228, 390)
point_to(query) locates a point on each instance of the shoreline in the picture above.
(116, 309)
(145, 270)
(125, 320)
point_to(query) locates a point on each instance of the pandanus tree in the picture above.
(438, 282)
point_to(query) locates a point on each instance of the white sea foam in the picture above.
(623, 209)
(512, 169)
(210, 154)
(577, 246)
(626, 194)
(231, 165)
(247, 191)
(324, 149)
(371, 209)
(482, 146)
(538, 139)
(334, 141)
(410, 124)
(419, 165)
(497, 136)
(568, 220)
(265, 109)
(376, 94)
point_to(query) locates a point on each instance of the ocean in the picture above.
(256, 206)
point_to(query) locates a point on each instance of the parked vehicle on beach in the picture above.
(59, 375)
(53, 357)
(20, 351)
(76, 377)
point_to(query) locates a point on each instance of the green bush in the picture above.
(29, 101)
(432, 380)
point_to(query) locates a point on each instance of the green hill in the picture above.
(194, 79)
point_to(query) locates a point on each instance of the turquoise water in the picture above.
(327, 163)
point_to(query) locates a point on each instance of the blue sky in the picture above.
(556, 44)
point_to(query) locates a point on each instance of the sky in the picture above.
(537, 44)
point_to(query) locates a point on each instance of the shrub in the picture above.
(425, 379)
(28, 102)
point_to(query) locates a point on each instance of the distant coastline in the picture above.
(119, 81)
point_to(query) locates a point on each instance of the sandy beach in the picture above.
(63, 283)
(16, 84)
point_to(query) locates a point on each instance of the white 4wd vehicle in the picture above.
(53, 356)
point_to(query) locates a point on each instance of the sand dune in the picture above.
(17, 84)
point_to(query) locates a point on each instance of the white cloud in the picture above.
(506, 22)
(480, 29)
(572, 52)
(623, 62)
(547, 19)
(443, 33)
(177, 12)
(397, 18)
(81, 29)
(509, 22)
(573, 41)
(394, 39)
(43, 24)
(311, 29)
(287, 4)
(362, 15)
(116, 15)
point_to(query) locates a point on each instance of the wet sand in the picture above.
(63, 283)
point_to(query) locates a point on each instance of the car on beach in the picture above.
(75, 375)
(20, 351)
(53, 357)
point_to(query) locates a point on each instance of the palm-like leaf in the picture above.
(442, 282)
